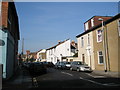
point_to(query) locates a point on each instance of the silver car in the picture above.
(79, 66)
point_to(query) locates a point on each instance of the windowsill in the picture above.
(101, 64)
(99, 41)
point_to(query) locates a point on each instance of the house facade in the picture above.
(9, 36)
(85, 41)
(61, 51)
(55, 53)
(85, 49)
(107, 45)
(41, 55)
(103, 47)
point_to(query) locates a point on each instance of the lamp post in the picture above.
(104, 47)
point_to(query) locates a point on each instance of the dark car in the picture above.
(67, 65)
(37, 68)
(48, 64)
(60, 65)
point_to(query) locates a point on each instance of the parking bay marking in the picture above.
(95, 76)
(67, 73)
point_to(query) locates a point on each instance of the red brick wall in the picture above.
(4, 15)
(96, 21)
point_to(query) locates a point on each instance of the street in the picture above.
(57, 78)
(72, 79)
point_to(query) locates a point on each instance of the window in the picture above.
(100, 57)
(99, 35)
(82, 41)
(86, 26)
(92, 22)
(88, 39)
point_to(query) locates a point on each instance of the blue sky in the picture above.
(42, 24)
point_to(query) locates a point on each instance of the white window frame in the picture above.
(99, 57)
(88, 41)
(92, 22)
(98, 35)
(86, 26)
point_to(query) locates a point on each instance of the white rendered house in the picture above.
(41, 55)
(62, 49)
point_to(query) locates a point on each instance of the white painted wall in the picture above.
(58, 52)
(39, 57)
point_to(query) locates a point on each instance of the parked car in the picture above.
(60, 65)
(67, 65)
(48, 64)
(37, 68)
(79, 66)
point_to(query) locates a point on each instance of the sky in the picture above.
(42, 24)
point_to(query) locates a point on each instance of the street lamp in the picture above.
(104, 48)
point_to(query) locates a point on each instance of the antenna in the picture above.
(22, 46)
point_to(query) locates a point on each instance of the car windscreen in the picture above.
(80, 63)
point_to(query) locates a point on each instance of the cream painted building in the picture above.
(104, 47)
(85, 48)
(85, 41)
(107, 45)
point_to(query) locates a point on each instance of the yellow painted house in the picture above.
(104, 45)
(106, 42)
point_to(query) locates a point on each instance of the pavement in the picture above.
(107, 74)
(21, 80)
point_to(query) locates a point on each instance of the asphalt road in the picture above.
(55, 78)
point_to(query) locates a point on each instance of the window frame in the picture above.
(92, 22)
(86, 26)
(98, 35)
(99, 62)
(88, 41)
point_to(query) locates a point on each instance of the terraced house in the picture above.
(85, 41)
(99, 46)
(106, 42)
(61, 51)
(9, 36)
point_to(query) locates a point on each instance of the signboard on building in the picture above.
(2, 43)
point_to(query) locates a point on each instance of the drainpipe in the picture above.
(104, 46)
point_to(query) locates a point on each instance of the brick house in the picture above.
(9, 35)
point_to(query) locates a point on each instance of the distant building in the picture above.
(61, 51)
(30, 56)
(41, 55)
(9, 36)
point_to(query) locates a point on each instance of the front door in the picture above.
(83, 58)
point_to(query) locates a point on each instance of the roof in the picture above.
(57, 45)
(106, 22)
(96, 16)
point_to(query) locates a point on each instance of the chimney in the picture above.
(27, 52)
(73, 42)
(59, 41)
